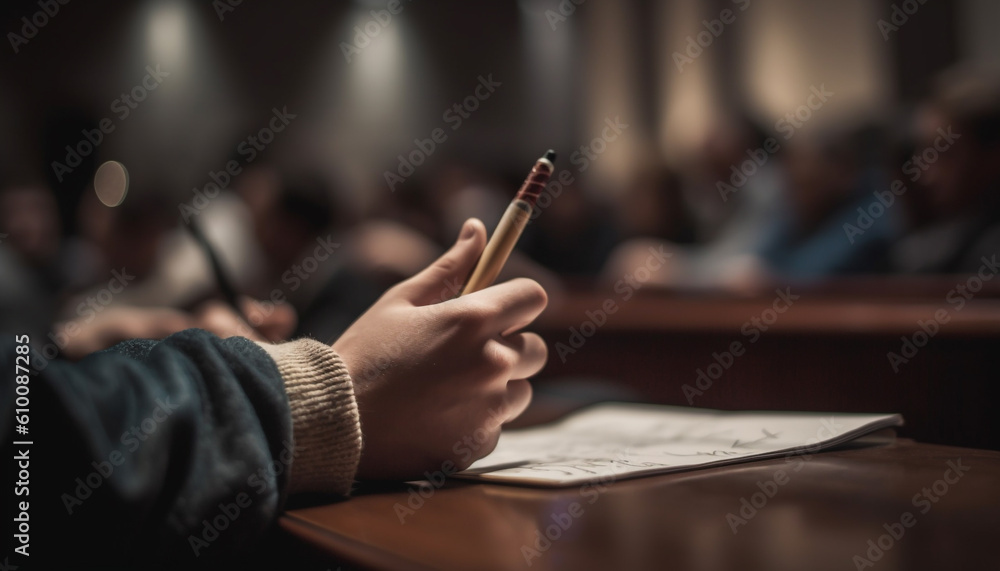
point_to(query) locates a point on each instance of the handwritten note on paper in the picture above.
(628, 440)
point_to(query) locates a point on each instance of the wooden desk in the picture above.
(820, 518)
(825, 353)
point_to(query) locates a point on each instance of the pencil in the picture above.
(511, 225)
(221, 279)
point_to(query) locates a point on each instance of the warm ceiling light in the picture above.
(111, 183)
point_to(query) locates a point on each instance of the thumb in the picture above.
(443, 279)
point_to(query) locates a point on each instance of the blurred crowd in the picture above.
(917, 194)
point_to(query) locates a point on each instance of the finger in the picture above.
(444, 278)
(275, 321)
(218, 318)
(517, 399)
(168, 322)
(528, 353)
(509, 306)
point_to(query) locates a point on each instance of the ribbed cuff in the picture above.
(325, 420)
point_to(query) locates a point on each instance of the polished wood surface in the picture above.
(829, 507)
(826, 314)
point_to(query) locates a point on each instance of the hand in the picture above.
(115, 324)
(435, 377)
(272, 323)
(83, 336)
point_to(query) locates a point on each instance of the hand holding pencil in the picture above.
(427, 373)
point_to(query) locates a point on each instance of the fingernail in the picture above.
(468, 230)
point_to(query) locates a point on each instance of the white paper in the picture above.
(617, 440)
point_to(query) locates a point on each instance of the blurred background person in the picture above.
(33, 264)
(737, 213)
(951, 175)
(831, 176)
(572, 234)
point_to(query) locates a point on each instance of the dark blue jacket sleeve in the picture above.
(149, 454)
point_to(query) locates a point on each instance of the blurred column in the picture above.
(790, 46)
(184, 125)
(611, 80)
(552, 59)
(687, 91)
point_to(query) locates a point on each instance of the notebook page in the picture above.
(618, 440)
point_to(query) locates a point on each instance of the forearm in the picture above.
(183, 448)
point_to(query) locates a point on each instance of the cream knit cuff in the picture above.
(325, 421)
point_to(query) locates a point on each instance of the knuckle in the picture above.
(497, 414)
(500, 360)
(395, 291)
(476, 314)
(533, 291)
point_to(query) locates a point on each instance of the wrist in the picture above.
(325, 421)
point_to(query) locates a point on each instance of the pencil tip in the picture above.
(550, 155)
